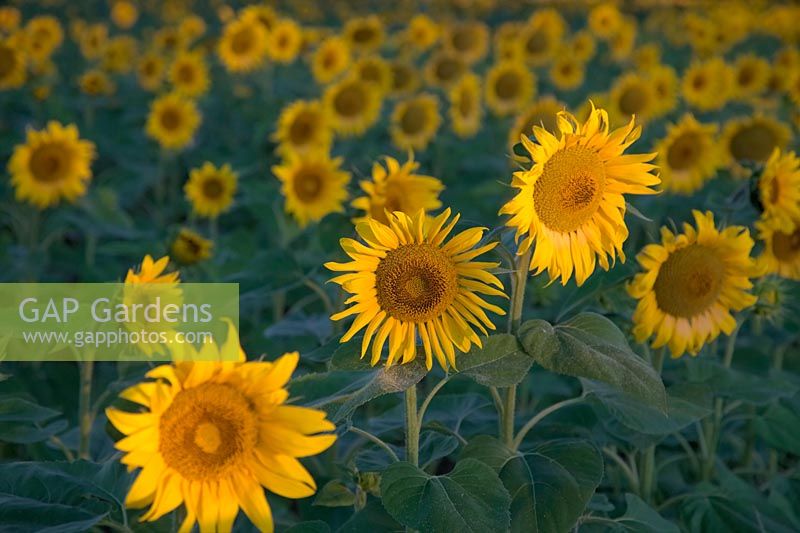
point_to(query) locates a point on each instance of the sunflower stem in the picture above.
(412, 426)
(648, 469)
(85, 408)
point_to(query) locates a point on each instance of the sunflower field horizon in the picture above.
(419, 266)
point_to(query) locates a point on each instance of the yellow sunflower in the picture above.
(507, 45)
(405, 78)
(10, 18)
(263, 14)
(43, 35)
(444, 69)
(571, 202)
(151, 271)
(210, 189)
(364, 34)
(750, 76)
(632, 96)
(466, 108)
(605, 20)
(706, 85)
(510, 85)
(779, 190)
(92, 40)
(212, 435)
(124, 14)
(543, 113)
(169, 41)
(567, 72)
(330, 59)
(313, 185)
(582, 46)
(284, 41)
(189, 247)
(691, 283)
(191, 28)
(781, 253)
(375, 71)
(539, 41)
(422, 32)
(687, 156)
(396, 187)
(189, 74)
(415, 121)
(95, 82)
(12, 65)
(243, 45)
(303, 127)
(352, 105)
(647, 57)
(405, 279)
(173, 120)
(753, 138)
(150, 71)
(53, 164)
(469, 40)
(119, 55)
(664, 81)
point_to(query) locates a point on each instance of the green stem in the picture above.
(648, 469)
(412, 426)
(427, 401)
(376, 440)
(85, 408)
(539, 416)
(777, 364)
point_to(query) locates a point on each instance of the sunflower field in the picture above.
(524, 266)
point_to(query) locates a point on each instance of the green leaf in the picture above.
(312, 526)
(746, 387)
(15, 409)
(779, 425)
(641, 518)
(591, 346)
(470, 498)
(25, 422)
(348, 357)
(550, 485)
(501, 362)
(538, 337)
(335, 494)
(373, 517)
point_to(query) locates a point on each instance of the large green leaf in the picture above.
(373, 517)
(470, 498)
(550, 485)
(591, 346)
(501, 362)
(25, 422)
(738, 385)
(779, 425)
(641, 518)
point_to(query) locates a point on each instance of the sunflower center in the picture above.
(633, 101)
(463, 40)
(371, 72)
(186, 73)
(684, 152)
(308, 184)
(349, 102)
(753, 143)
(507, 86)
(536, 43)
(242, 41)
(689, 281)
(206, 431)
(302, 129)
(447, 69)
(171, 119)
(570, 189)
(699, 81)
(786, 246)
(746, 76)
(8, 61)
(212, 188)
(416, 282)
(47, 163)
(363, 35)
(414, 119)
(466, 104)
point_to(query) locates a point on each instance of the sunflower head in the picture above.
(190, 248)
(687, 156)
(415, 121)
(12, 64)
(243, 46)
(405, 78)
(706, 85)
(468, 40)
(571, 202)
(632, 96)
(781, 253)
(753, 139)
(331, 58)
(189, 74)
(210, 189)
(567, 72)
(124, 14)
(150, 71)
(605, 20)
(750, 75)
(422, 32)
(95, 82)
(466, 107)
(119, 55)
(353, 105)
(364, 34)
(173, 120)
(376, 71)
(444, 69)
(284, 41)
(304, 127)
(406, 279)
(510, 85)
(779, 190)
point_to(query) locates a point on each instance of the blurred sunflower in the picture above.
(150, 71)
(415, 121)
(43, 34)
(210, 189)
(396, 187)
(422, 32)
(444, 69)
(664, 81)
(92, 40)
(10, 18)
(582, 46)
(510, 85)
(781, 253)
(706, 85)
(119, 55)
(632, 96)
(567, 72)
(753, 138)
(540, 37)
(691, 283)
(12, 64)
(331, 58)
(284, 41)
(53, 164)
(263, 14)
(466, 108)
(687, 156)
(313, 186)
(507, 45)
(352, 106)
(376, 71)
(189, 247)
(543, 113)
(604, 20)
(405, 78)
(95, 82)
(779, 190)
(622, 43)
(188, 74)
(647, 57)
(169, 40)
(469, 40)
(173, 120)
(243, 45)
(303, 127)
(124, 14)
(212, 435)
(406, 280)
(571, 202)
(750, 76)
(364, 34)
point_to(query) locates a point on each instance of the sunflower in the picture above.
(212, 435)
(405, 279)
(43, 35)
(189, 247)
(92, 40)
(191, 28)
(582, 46)
(750, 76)
(571, 201)
(632, 96)
(119, 54)
(540, 39)
(779, 190)
(173, 120)
(284, 41)
(189, 74)
(444, 69)
(352, 105)
(303, 127)
(364, 34)
(543, 113)
(468, 40)
(375, 71)
(150, 71)
(753, 138)
(396, 187)
(622, 43)
(781, 253)
(691, 283)
(151, 271)
(243, 45)
(12, 65)
(263, 14)
(95, 82)
(422, 32)
(664, 81)
(405, 78)
(466, 108)
(687, 156)
(706, 85)
(169, 41)
(124, 14)
(510, 85)
(567, 72)
(647, 57)
(414, 122)
(54, 163)
(10, 18)
(313, 186)
(605, 20)
(210, 189)
(330, 59)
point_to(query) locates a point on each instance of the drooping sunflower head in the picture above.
(406, 280)
(632, 96)
(12, 65)
(543, 113)
(313, 186)
(189, 74)
(243, 45)
(285, 40)
(53, 164)
(750, 75)
(395, 187)
(210, 189)
(444, 69)
(190, 248)
(415, 121)
(510, 85)
(353, 106)
(781, 252)
(468, 40)
(303, 127)
(150, 71)
(331, 58)
(364, 34)
(753, 138)
(691, 283)
(173, 120)
(567, 72)
(571, 201)
(211, 436)
(687, 156)
(779, 190)
(466, 108)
